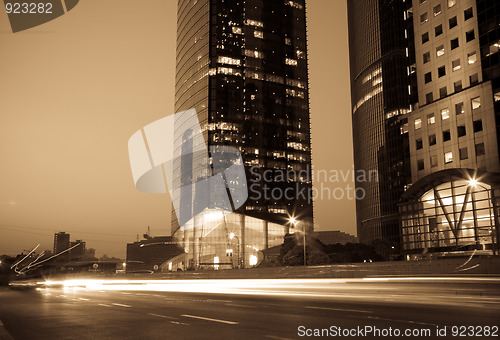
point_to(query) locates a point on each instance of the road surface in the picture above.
(250, 309)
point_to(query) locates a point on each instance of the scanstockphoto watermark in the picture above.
(330, 184)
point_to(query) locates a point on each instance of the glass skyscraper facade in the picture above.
(243, 66)
(381, 96)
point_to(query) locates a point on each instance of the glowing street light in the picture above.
(473, 182)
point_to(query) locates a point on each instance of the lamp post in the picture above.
(295, 222)
(231, 236)
(474, 183)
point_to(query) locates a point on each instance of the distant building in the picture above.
(335, 236)
(77, 253)
(61, 243)
(150, 252)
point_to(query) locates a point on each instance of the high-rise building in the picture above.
(61, 243)
(243, 66)
(450, 129)
(453, 130)
(382, 91)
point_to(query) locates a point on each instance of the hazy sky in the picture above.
(73, 91)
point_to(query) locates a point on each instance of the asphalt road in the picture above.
(249, 309)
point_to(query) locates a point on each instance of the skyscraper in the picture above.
(61, 243)
(453, 130)
(382, 91)
(449, 144)
(243, 66)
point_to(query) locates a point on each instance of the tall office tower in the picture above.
(383, 88)
(61, 243)
(243, 66)
(452, 205)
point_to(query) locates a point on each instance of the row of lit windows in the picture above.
(471, 57)
(445, 113)
(451, 3)
(452, 22)
(448, 156)
(455, 65)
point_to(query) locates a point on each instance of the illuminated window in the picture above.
(254, 23)
(237, 30)
(418, 123)
(300, 54)
(296, 83)
(452, 3)
(455, 64)
(293, 4)
(288, 41)
(496, 96)
(291, 62)
(459, 108)
(258, 34)
(229, 61)
(437, 10)
(228, 71)
(254, 54)
(440, 50)
(431, 119)
(445, 114)
(471, 57)
(448, 157)
(424, 18)
(438, 30)
(253, 260)
(476, 103)
(494, 48)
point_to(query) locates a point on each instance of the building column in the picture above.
(242, 240)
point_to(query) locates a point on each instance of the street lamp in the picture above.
(231, 236)
(474, 183)
(295, 222)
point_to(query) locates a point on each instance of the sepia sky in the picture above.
(73, 91)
